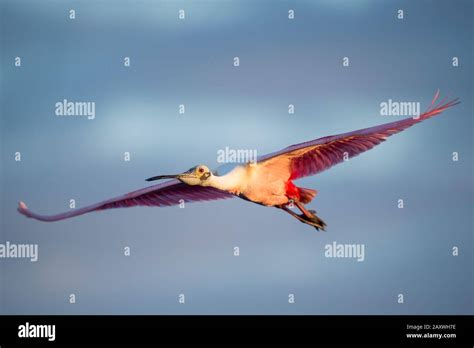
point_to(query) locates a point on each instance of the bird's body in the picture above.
(269, 181)
(252, 182)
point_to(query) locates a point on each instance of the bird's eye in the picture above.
(201, 170)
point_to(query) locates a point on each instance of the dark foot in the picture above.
(310, 218)
(314, 221)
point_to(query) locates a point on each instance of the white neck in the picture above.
(231, 182)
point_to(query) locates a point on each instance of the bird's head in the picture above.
(197, 175)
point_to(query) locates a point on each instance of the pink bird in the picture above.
(268, 181)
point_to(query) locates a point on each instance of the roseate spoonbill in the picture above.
(268, 181)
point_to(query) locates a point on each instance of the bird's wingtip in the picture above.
(22, 208)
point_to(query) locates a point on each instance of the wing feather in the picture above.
(161, 195)
(315, 156)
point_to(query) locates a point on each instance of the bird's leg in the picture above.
(299, 217)
(303, 218)
(311, 215)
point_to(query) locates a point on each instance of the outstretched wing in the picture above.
(315, 156)
(161, 195)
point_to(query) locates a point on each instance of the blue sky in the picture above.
(190, 62)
